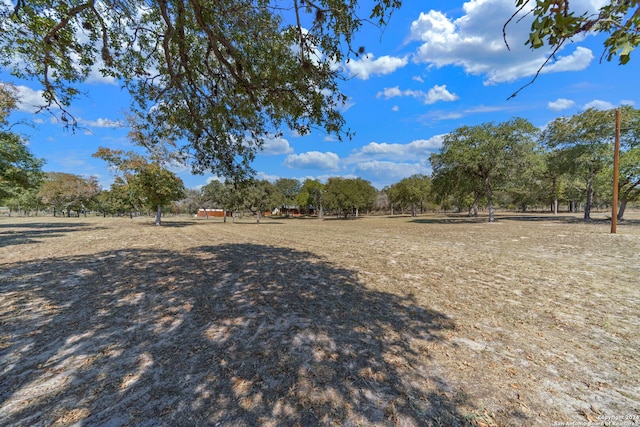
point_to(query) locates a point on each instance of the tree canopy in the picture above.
(556, 22)
(8, 101)
(583, 143)
(144, 183)
(348, 195)
(477, 159)
(310, 196)
(68, 192)
(19, 169)
(221, 76)
(156, 187)
(411, 191)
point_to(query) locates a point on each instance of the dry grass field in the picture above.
(428, 321)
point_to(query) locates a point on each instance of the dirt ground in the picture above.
(429, 321)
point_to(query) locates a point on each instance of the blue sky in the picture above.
(437, 66)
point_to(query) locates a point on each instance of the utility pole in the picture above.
(616, 167)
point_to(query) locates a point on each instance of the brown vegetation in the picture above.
(427, 321)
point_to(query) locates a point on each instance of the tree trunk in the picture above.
(320, 211)
(258, 220)
(587, 205)
(555, 197)
(623, 206)
(159, 216)
(473, 209)
(413, 210)
(492, 213)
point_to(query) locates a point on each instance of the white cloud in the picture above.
(560, 104)
(382, 173)
(435, 94)
(367, 66)
(29, 100)
(215, 178)
(484, 109)
(72, 161)
(439, 93)
(426, 145)
(313, 159)
(392, 92)
(101, 123)
(178, 167)
(324, 178)
(418, 149)
(375, 148)
(268, 177)
(599, 105)
(578, 60)
(276, 145)
(438, 115)
(208, 181)
(475, 42)
(97, 77)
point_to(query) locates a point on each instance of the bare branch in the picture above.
(504, 27)
(544, 64)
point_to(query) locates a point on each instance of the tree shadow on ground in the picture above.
(577, 219)
(33, 232)
(219, 335)
(171, 223)
(450, 219)
(562, 219)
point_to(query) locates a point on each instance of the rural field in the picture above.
(429, 321)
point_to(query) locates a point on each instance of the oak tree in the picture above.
(483, 158)
(286, 191)
(218, 76)
(156, 187)
(412, 191)
(584, 147)
(310, 196)
(20, 170)
(143, 183)
(348, 195)
(66, 192)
